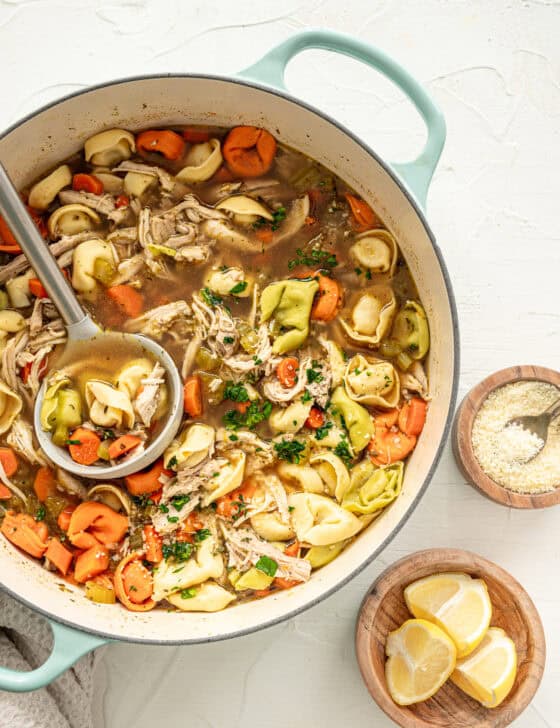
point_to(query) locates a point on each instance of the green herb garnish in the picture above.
(228, 339)
(238, 288)
(210, 298)
(179, 501)
(188, 593)
(289, 450)
(235, 392)
(323, 431)
(314, 258)
(177, 550)
(253, 415)
(73, 442)
(40, 514)
(267, 565)
(343, 452)
(201, 535)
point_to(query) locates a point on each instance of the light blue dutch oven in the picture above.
(398, 192)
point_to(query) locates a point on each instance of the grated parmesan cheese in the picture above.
(502, 451)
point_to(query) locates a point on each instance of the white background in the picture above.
(494, 67)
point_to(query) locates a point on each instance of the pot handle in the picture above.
(68, 645)
(418, 173)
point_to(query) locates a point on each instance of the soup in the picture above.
(300, 337)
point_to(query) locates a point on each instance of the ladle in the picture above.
(81, 328)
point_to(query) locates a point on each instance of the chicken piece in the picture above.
(20, 438)
(166, 180)
(245, 363)
(104, 204)
(157, 321)
(216, 326)
(275, 391)
(146, 403)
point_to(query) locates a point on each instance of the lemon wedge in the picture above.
(421, 658)
(488, 674)
(457, 603)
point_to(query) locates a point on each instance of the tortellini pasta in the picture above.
(253, 578)
(10, 323)
(72, 219)
(245, 210)
(411, 330)
(112, 183)
(271, 527)
(229, 477)
(375, 250)
(109, 147)
(289, 302)
(208, 597)
(136, 183)
(372, 488)
(130, 376)
(291, 418)
(301, 476)
(206, 563)
(18, 290)
(319, 521)
(10, 407)
(229, 282)
(84, 260)
(371, 315)
(45, 191)
(333, 473)
(203, 161)
(61, 409)
(192, 446)
(336, 361)
(322, 555)
(374, 382)
(108, 407)
(357, 419)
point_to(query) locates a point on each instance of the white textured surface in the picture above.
(494, 67)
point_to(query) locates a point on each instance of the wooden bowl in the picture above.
(462, 438)
(384, 610)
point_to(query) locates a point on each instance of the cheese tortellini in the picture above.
(229, 282)
(10, 407)
(333, 473)
(357, 419)
(72, 219)
(18, 290)
(373, 488)
(10, 323)
(301, 476)
(193, 445)
(203, 161)
(289, 302)
(108, 407)
(291, 418)
(208, 597)
(411, 330)
(375, 250)
(44, 192)
(318, 520)
(228, 477)
(109, 147)
(371, 315)
(245, 210)
(84, 262)
(374, 382)
(136, 183)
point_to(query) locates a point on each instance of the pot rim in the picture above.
(286, 96)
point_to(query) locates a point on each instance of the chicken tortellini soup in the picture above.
(298, 331)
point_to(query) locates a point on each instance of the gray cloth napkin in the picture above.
(25, 643)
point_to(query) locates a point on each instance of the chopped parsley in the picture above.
(313, 374)
(172, 462)
(267, 565)
(142, 501)
(306, 397)
(188, 593)
(173, 519)
(343, 452)
(179, 501)
(177, 550)
(323, 431)
(163, 508)
(235, 392)
(315, 258)
(289, 450)
(40, 514)
(228, 339)
(210, 298)
(241, 506)
(73, 442)
(253, 415)
(201, 535)
(238, 288)
(278, 216)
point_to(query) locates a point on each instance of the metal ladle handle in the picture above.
(38, 254)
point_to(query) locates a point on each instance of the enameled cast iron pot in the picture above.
(256, 96)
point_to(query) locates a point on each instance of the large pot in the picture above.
(256, 96)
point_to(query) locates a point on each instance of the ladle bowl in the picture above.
(81, 328)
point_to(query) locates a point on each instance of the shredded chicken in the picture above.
(15, 345)
(157, 321)
(216, 326)
(275, 391)
(190, 353)
(245, 548)
(105, 204)
(165, 179)
(20, 438)
(70, 484)
(260, 453)
(414, 380)
(146, 403)
(245, 363)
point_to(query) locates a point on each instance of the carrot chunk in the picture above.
(90, 563)
(195, 136)
(58, 555)
(87, 183)
(329, 298)
(63, 519)
(315, 419)
(231, 504)
(9, 461)
(84, 447)
(192, 396)
(37, 289)
(128, 298)
(146, 481)
(25, 533)
(93, 523)
(153, 543)
(44, 484)
(287, 371)
(122, 445)
(364, 217)
(134, 587)
(412, 416)
(165, 142)
(249, 151)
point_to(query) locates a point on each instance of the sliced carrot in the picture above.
(315, 419)
(287, 371)
(85, 446)
(386, 419)
(260, 593)
(64, 518)
(153, 544)
(25, 533)
(37, 289)
(163, 141)
(25, 370)
(223, 175)
(194, 135)
(5, 492)
(122, 201)
(93, 523)
(242, 406)
(292, 549)
(285, 583)
(192, 396)
(389, 446)
(230, 505)
(147, 481)
(44, 484)
(364, 217)
(90, 563)
(264, 234)
(412, 416)
(87, 183)
(8, 244)
(156, 497)
(58, 555)
(128, 298)
(328, 301)
(122, 445)
(9, 461)
(249, 151)
(124, 580)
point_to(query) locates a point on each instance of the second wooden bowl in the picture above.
(384, 610)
